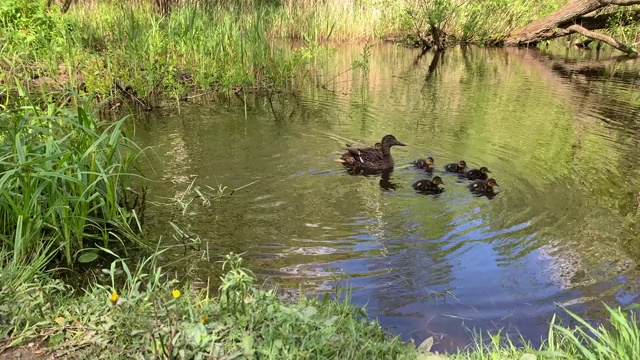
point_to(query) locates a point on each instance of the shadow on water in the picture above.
(560, 137)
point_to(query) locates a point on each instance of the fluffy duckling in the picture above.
(460, 167)
(477, 174)
(429, 186)
(426, 164)
(483, 186)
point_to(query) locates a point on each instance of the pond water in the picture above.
(560, 135)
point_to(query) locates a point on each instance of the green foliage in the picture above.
(196, 48)
(151, 316)
(28, 22)
(619, 340)
(63, 183)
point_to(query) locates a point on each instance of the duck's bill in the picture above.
(400, 143)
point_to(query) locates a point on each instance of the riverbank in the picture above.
(130, 55)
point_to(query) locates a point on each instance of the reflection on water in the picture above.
(560, 137)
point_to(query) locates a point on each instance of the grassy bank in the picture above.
(143, 312)
(128, 51)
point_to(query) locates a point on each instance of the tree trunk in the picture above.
(578, 16)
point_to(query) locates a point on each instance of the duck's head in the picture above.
(437, 180)
(430, 161)
(378, 146)
(462, 164)
(484, 170)
(492, 182)
(390, 140)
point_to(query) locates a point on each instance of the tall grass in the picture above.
(96, 46)
(64, 184)
(226, 46)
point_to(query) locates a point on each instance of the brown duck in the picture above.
(371, 158)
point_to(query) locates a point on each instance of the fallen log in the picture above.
(578, 16)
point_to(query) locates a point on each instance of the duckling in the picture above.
(477, 174)
(355, 152)
(372, 159)
(426, 164)
(483, 186)
(460, 167)
(429, 186)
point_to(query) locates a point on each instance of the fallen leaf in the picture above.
(426, 345)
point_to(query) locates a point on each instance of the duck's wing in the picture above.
(370, 154)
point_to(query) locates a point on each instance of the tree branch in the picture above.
(604, 38)
(620, 2)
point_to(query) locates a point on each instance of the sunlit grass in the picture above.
(219, 46)
(65, 184)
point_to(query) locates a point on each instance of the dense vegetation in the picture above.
(71, 194)
(106, 49)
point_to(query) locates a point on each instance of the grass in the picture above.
(108, 50)
(126, 50)
(65, 184)
(146, 314)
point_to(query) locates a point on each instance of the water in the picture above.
(561, 137)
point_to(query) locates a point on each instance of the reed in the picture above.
(65, 182)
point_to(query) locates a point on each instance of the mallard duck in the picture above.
(460, 167)
(426, 164)
(372, 159)
(429, 186)
(377, 146)
(483, 186)
(475, 174)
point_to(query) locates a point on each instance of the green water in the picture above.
(561, 137)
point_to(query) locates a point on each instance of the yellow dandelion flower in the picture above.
(114, 297)
(203, 319)
(175, 293)
(60, 320)
(146, 298)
